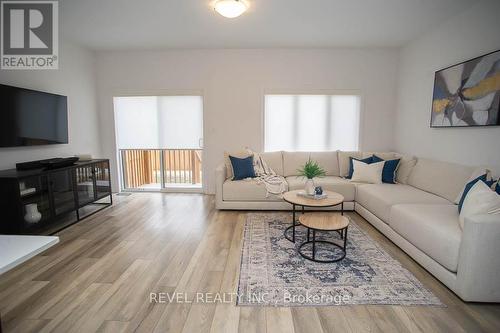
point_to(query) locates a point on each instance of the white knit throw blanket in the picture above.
(275, 184)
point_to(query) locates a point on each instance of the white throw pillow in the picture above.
(367, 173)
(476, 173)
(479, 200)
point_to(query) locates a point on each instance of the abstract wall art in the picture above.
(468, 94)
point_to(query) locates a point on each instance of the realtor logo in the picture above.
(29, 37)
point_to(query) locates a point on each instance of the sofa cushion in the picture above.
(442, 178)
(328, 160)
(434, 229)
(330, 183)
(245, 190)
(292, 161)
(344, 158)
(274, 160)
(406, 165)
(379, 198)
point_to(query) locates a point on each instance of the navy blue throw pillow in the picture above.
(368, 160)
(389, 170)
(497, 188)
(489, 183)
(467, 188)
(242, 167)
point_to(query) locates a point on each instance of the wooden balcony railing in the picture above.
(85, 173)
(142, 167)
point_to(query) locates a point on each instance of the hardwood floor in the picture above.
(99, 279)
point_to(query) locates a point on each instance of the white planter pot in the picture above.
(32, 213)
(309, 187)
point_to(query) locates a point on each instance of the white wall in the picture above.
(233, 83)
(471, 34)
(75, 78)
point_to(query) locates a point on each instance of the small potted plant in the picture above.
(310, 170)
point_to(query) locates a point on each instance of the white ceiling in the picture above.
(155, 24)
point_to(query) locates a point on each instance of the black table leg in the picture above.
(314, 244)
(345, 239)
(312, 257)
(294, 224)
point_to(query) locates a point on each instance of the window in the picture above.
(311, 122)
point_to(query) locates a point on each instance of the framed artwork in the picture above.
(468, 94)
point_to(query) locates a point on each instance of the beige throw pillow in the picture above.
(367, 173)
(405, 168)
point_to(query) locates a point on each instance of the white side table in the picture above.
(16, 249)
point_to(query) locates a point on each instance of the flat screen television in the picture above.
(29, 117)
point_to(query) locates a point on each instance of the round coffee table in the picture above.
(324, 222)
(333, 199)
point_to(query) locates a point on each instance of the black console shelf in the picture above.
(62, 196)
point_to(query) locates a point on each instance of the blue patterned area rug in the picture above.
(273, 273)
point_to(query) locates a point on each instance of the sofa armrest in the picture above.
(220, 178)
(478, 276)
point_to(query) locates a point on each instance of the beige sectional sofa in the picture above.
(418, 214)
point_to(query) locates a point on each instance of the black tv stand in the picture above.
(51, 163)
(62, 196)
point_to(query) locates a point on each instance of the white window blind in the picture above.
(159, 122)
(311, 122)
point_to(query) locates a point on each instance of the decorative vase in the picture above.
(309, 187)
(318, 190)
(32, 213)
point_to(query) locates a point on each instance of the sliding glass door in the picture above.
(160, 142)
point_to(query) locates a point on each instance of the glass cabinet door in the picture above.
(103, 179)
(85, 184)
(61, 183)
(34, 194)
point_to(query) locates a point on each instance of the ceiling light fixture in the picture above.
(230, 8)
